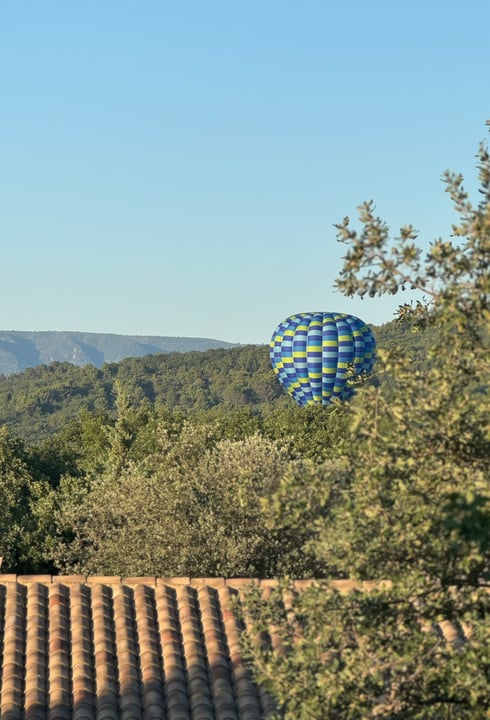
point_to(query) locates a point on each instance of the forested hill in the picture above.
(39, 401)
(21, 350)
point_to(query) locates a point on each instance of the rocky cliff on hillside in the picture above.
(21, 350)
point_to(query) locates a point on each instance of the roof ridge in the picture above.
(176, 581)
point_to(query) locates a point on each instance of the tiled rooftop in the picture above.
(108, 648)
(112, 648)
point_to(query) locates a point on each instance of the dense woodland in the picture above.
(40, 401)
(91, 459)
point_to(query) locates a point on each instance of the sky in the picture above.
(177, 168)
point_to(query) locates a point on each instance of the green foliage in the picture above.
(367, 654)
(407, 502)
(144, 448)
(314, 432)
(18, 492)
(41, 401)
(191, 508)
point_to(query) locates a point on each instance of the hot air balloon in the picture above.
(311, 353)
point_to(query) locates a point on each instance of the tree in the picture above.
(19, 541)
(314, 431)
(193, 507)
(407, 506)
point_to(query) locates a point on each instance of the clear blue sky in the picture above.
(176, 168)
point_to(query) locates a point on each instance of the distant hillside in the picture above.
(42, 399)
(22, 350)
(39, 401)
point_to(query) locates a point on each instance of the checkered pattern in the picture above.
(311, 354)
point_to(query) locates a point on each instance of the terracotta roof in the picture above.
(109, 648)
(112, 648)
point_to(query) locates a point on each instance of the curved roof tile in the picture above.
(108, 648)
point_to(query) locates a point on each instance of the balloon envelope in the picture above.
(311, 353)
